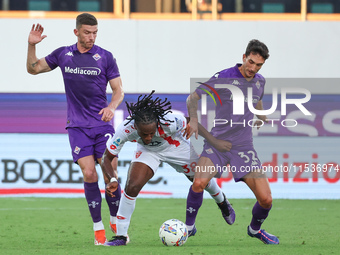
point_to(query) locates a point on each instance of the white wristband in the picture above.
(113, 179)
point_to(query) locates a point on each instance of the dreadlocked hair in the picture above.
(148, 110)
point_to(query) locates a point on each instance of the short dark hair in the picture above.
(86, 19)
(257, 47)
(148, 110)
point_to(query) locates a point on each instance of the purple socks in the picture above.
(194, 202)
(113, 202)
(259, 215)
(94, 200)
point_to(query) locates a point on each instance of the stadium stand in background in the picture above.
(320, 10)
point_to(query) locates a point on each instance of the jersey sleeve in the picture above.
(53, 59)
(112, 68)
(179, 123)
(116, 143)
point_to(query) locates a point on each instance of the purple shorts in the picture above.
(89, 141)
(242, 159)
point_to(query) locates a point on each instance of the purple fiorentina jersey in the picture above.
(228, 126)
(85, 77)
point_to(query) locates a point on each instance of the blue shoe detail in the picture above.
(192, 232)
(227, 210)
(116, 241)
(265, 237)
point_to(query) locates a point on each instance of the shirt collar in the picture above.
(93, 50)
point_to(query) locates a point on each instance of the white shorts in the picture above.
(182, 158)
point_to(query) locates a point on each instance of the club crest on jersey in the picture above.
(257, 84)
(77, 150)
(138, 153)
(96, 56)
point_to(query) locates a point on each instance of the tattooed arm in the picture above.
(33, 64)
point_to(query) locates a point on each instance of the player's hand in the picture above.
(35, 35)
(222, 145)
(259, 123)
(193, 129)
(186, 131)
(110, 188)
(107, 114)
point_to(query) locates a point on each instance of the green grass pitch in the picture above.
(32, 225)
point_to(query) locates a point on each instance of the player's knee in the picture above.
(90, 176)
(199, 185)
(132, 190)
(266, 201)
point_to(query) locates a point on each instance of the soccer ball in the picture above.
(173, 233)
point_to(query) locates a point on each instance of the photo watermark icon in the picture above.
(239, 97)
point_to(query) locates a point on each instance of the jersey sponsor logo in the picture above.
(138, 153)
(77, 150)
(96, 56)
(69, 54)
(83, 70)
(255, 99)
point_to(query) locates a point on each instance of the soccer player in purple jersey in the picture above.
(86, 69)
(242, 157)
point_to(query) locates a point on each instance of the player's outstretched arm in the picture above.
(33, 64)
(117, 97)
(106, 165)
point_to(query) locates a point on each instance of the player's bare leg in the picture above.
(258, 183)
(139, 174)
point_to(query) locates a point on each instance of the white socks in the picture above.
(215, 191)
(125, 210)
(252, 231)
(113, 219)
(98, 226)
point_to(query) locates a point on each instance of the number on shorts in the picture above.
(186, 168)
(246, 160)
(109, 135)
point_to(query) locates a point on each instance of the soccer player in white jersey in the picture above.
(159, 137)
